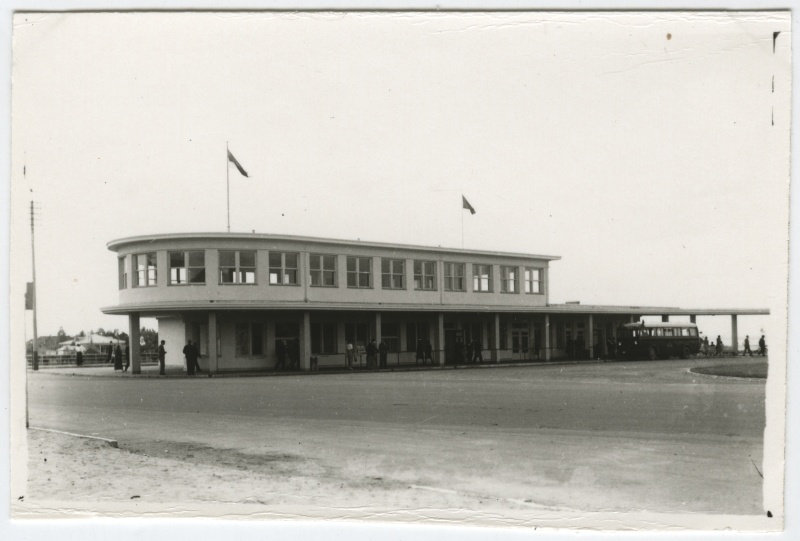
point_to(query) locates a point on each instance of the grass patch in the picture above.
(749, 370)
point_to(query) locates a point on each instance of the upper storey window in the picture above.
(283, 268)
(534, 282)
(481, 277)
(454, 277)
(237, 267)
(508, 279)
(323, 270)
(187, 267)
(359, 272)
(123, 273)
(425, 275)
(146, 270)
(393, 273)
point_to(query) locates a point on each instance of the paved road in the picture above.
(609, 435)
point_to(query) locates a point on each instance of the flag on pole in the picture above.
(235, 162)
(465, 204)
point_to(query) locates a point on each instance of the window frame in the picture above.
(529, 282)
(477, 278)
(322, 271)
(358, 272)
(123, 272)
(135, 266)
(392, 274)
(423, 276)
(319, 344)
(454, 276)
(187, 266)
(237, 268)
(284, 270)
(504, 279)
(251, 326)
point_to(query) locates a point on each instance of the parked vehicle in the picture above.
(657, 340)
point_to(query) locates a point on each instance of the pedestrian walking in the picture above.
(383, 350)
(747, 346)
(280, 353)
(372, 351)
(117, 358)
(477, 351)
(110, 352)
(349, 354)
(420, 356)
(191, 352)
(162, 359)
(719, 346)
(79, 356)
(428, 352)
(127, 357)
(762, 346)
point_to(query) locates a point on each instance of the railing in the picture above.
(89, 359)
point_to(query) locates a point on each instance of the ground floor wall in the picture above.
(248, 340)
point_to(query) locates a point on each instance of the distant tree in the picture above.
(62, 336)
(123, 336)
(150, 339)
(82, 334)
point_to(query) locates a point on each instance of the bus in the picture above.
(657, 340)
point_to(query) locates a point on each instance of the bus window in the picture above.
(692, 332)
(667, 332)
(658, 332)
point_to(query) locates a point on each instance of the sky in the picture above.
(650, 151)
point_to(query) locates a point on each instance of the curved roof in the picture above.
(116, 244)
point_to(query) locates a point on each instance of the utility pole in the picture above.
(35, 333)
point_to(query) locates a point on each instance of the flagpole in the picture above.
(228, 183)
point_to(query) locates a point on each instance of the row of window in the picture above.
(239, 267)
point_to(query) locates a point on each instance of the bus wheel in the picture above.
(652, 354)
(685, 352)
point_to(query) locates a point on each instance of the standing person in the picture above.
(117, 358)
(719, 346)
(79, 356)
(127, 357)
(371, 352)
(162, 359)
(468, 356)
(280, 353)
(191, 353)
(477, 351)
(762, 346)
(705, 346)
(383, 349)
(110, 352)
(348, 354)
(428, 352)
(747, 346)
(420, 355)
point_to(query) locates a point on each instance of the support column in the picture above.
(440, 338)
(734, 334)
(305, 343)
(693, 319)
(496, 339)
(664, 319)
(546, 337)
(213, 354)
(133, 345)
(590, 337)
(378, 327)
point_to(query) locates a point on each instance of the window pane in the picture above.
(363, 279)
(459, 270)
(386, 281)
(397, 281)
(176, 259)
(417, 267)
(291, 261)
(315, 277)
(197, 275)
(417, 282)
(226, 276)
(256, 339)
(351, 279)
(329, 278)
(329, 262)
(151, 260)
(314, 261)
(364, 264)
(385, 265)
(247, 259)
(290, 277)
(248, 276)
(242, 340)
(351, 264)
(398, 267)
(227, 259)
(448, 284)
(429, 282)
(274, 277)
(197, 259)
